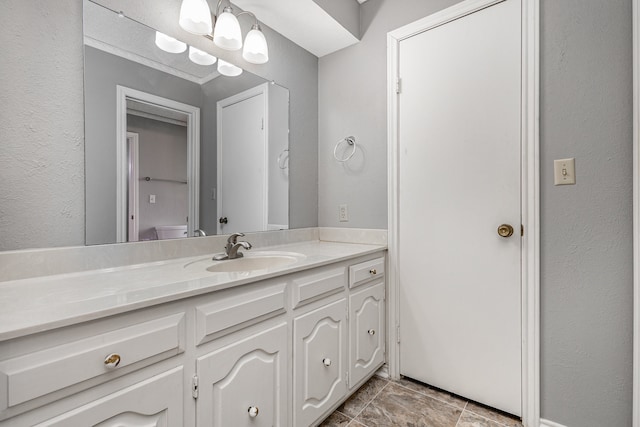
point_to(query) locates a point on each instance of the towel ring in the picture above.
(283, 159)
(351, 140)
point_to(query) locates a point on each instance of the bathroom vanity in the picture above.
(170, 343)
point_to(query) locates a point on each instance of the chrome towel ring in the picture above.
(350, 140)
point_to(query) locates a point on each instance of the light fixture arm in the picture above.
(249, 13)
(215, 17)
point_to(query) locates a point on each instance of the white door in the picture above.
(242, 175)
(459, 180)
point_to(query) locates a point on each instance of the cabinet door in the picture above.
(156, 402)
(245, 384)
(320, 362)
(367, 332)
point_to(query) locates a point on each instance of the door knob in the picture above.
(223, 220)
(326, 362)
(505, 230)
(253, 411)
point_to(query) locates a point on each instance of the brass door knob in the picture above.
(505, 230)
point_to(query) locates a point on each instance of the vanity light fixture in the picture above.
(169, 44)
(255, 49)
(227, 69)
(201, 58)
(195, 17)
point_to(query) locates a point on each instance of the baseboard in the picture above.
(383, 372)
(547, 423)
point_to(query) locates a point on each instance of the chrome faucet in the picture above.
(233, 252)
(232, 247)
(200, 232)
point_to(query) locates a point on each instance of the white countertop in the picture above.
(38, 304)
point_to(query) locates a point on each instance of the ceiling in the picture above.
(304, 22)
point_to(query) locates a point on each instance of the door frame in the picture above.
(193, 156)
(262, 89)
(636, 212)
(530, 199)
(133, 187)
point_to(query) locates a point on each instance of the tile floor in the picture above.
(408, 403)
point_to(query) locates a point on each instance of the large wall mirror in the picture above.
(173, 148)
(106, 138)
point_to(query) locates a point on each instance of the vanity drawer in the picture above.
(228, 314)
(363, 272)
(310, 287)
(33, 375)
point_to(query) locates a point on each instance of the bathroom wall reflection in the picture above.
(172, 146)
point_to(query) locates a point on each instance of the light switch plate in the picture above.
(152, 198)
(564, 171)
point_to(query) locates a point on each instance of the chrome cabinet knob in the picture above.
(112, 360)
(505, 230)
(373, 271)
(253, 411)
(326, 362)
(371, 332)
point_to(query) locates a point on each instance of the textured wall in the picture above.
(586, 239)
(41, 124)
(586, 245)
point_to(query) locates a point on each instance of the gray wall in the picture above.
(586, 229)
(586, 277)
(41, 124)
(162, 155)
(103, 73)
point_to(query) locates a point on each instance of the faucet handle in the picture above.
(233, 239)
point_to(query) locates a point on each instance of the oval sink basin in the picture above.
(265, 260)
(252, 263)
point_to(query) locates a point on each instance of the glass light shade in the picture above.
(201, 58)
(226, 34)
(169, 44)
(195, 17)
(255, 48)
(228, 70)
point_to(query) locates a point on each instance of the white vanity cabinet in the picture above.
(281, 352)
(244, 384)
(366, 331)
(320, 368)
(156, 402)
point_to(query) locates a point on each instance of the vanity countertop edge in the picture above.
(44, 303)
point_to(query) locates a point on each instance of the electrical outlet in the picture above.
(343, 213)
